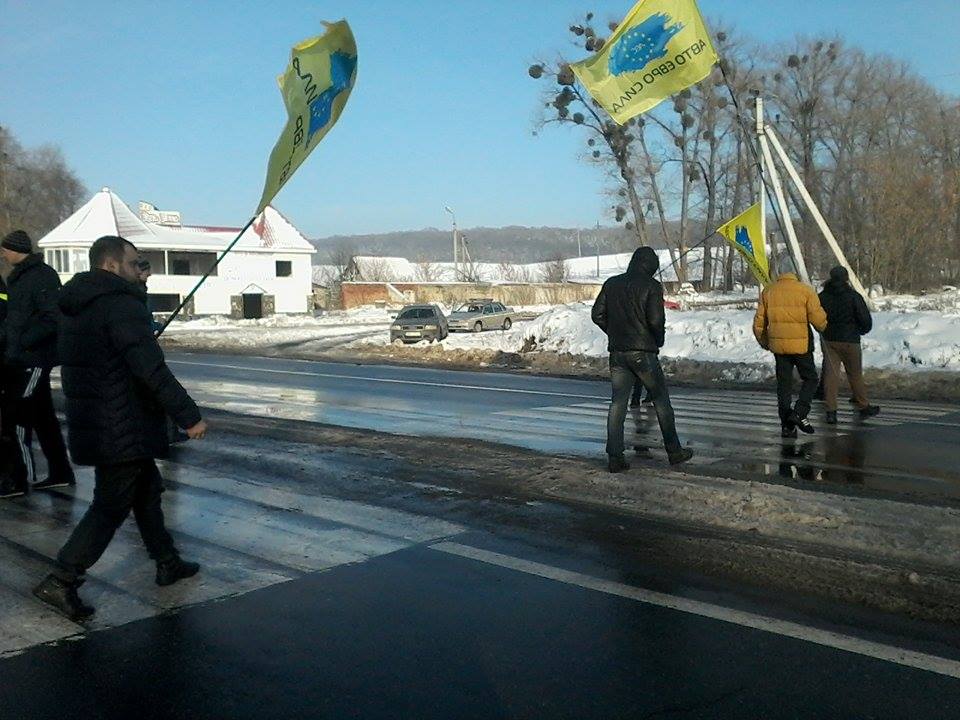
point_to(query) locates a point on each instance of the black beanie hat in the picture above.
(18, 241)
(839, 274)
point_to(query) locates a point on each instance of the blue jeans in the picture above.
(625, 369)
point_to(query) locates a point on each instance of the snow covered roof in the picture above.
(106, 214)
(583, 269)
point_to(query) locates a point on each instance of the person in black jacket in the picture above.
(848, 317)
(629, 309)
(6, 412)
(30, 354)
(118, 392)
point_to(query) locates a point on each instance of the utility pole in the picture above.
(597, 238)
(456, 244)
(579, 254)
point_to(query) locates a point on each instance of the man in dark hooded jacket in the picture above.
(629, 309)
(118, 392)
(30, 352)
(848, 317)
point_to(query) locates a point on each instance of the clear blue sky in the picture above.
(176, 102)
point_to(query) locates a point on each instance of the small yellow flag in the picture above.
(744, 234)
(315, 88)
(660, 48)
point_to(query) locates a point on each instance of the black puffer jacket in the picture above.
(629, 308)
(3, 318)
(31, 325)
(848, 316)
(117, 385)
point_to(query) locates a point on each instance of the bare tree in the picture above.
(38, 190)
(377, 269)
(339, 257)
(427, 270)
(555, 270)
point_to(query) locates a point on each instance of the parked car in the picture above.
(481, 314)
(419, 322)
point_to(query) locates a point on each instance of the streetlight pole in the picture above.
(598, 249)
(456, 264)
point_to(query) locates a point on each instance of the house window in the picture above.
(160, 302)
(156, 260)
(284, 268)
(59, 260)
(192, 263)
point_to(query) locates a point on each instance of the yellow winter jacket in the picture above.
(784, 315)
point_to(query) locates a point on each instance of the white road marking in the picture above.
(786, 628)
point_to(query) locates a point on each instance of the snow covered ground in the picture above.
(910, 333)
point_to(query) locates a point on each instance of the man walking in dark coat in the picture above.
(848, 317)
(7, 445)
(119, 391)
(30, 355)
(629, 309)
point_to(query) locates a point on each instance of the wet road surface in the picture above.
(331, 590)
(911, 447)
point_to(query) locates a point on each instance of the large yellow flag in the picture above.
(660, 48)
(315, 88)
(745, 234)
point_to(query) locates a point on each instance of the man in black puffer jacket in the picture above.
(30, 353)
(629, 309)
(118, 390)
(848, 317)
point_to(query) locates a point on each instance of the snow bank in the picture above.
(905, 336)
(900, 339)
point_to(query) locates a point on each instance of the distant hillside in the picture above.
(507, 244)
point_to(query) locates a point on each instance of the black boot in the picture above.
(680, 456)
(802, 423)
(56, 481)
(616, 463)
(169, 571)
(869, 411)
(11, 489)
(831, 418)
(62, 596)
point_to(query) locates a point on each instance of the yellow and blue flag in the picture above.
(315, 88)
(660, 48)
(744, 233)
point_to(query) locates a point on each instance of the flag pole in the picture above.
(207, 274)
(757, 159)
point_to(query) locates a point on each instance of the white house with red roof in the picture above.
(268, 271)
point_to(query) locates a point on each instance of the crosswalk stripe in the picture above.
(246, 536)
(751, 416)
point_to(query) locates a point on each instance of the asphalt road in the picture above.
(329, 589)
(909, 448)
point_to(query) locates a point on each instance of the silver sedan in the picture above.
(478, 315)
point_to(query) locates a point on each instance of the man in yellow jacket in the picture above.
(786, 311)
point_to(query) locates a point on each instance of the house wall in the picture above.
(355, 294)
(237, 271)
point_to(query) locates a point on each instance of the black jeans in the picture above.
(32, 405)
(135, 485)
(809, 377)
(625, 369)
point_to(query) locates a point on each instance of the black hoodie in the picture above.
(848, 316)
(31, 324)
(629, 308)
(117, 384)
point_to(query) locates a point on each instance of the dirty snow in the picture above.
(909, 332)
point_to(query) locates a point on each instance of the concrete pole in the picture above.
(814, 210)
(792, 245)
(761, 195)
